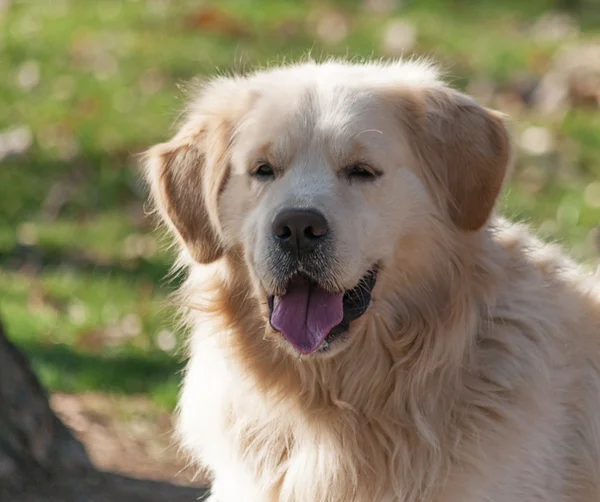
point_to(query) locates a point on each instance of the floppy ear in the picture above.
(177, 172)
(187, 174)
(465, 148)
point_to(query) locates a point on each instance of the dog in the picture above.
(364, 326)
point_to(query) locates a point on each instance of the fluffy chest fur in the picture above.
(495, 417)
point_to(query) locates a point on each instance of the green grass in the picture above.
(95, 83)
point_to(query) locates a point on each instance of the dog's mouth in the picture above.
(311, 318)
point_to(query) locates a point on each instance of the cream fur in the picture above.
(475, 376)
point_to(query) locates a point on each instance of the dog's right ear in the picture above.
(177, 172)
(187, 174)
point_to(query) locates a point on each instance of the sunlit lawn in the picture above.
(87, 85)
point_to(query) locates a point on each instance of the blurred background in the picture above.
(85, 86)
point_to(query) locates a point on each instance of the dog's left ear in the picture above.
(464, 147)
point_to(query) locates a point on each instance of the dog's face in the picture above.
(318, 174)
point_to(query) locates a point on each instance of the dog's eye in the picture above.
(360, 172)
(264, 171)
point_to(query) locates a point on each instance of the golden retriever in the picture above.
(363, 328)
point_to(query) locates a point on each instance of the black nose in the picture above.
(299, 231)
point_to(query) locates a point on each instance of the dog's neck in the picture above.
(417, 336)
(400, 377)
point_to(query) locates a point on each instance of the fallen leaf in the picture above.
(536, 140)
(381, 6)
(399, 37)
(331, 27)
(15, 141)
(214, 19)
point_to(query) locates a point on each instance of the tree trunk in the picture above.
(41, 461)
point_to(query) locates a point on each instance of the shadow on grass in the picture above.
(65, 369)
(46, 258)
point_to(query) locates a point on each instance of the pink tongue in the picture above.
(306, 314)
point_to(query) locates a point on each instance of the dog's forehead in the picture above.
(334, 118)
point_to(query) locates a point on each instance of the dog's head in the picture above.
(319, 175)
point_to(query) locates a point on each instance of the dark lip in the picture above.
(356, 302)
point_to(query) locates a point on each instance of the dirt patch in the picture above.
(128, 435)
